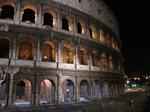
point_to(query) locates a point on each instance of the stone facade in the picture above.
(58, 51)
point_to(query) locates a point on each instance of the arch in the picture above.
(26, 50)
(2, 92)
(67, 23)
(81, 27)
(67, 54)
(113, 88)
(84, 90)
(29, 14)
(95, 58)
(4, 47)
(7, 9)
(111, 63)
(23, 92)
(82, 55)
(106, 88)
(93, 32)
(107, 39)
(49, 18)
(101, 36)
(104, 60)
(96, 90)
(47, 92)
(67, 91)
(48, 51)
(113, 45)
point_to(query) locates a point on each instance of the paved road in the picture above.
(116, 104)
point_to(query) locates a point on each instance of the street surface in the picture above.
(141, 103)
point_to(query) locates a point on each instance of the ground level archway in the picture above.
(47, 92)
(67, 91)
(84, 90)
(96, 90)
(23, 93)
(2, 93)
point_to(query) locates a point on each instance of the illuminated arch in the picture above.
(104, 60)
(7, 10)
(23, 91)
(67, 23)
(26, 50)
(95, 58)
(47, 92)
(48, 51)
(67, 54)
(111, 63)
(81, 27)
(33, 13)
(82, 55)
(93, 32)
(53, 16)
(101, 36)
(107, 39)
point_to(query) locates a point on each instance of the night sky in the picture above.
(133, 17)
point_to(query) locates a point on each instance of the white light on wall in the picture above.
(45, 57)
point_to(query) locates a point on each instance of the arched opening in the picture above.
(48, 19)
(7, 12)
(93, 32)
(67, 91)
(48, 51)
(96, 89)
(113, 91)
(28, 16)
(67, 54)
(2, 93)
(4, 48)
(47, 92)
(23, 93)
(102, 36)
(106, 89)
(95, 59)
(104, 61)
(65, 24)
(25, 50)
(107, 39)
(113, 45)
(111, 64)
(84, 90)
(82, 54)
(81, 27)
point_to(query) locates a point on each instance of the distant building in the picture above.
(58, 51)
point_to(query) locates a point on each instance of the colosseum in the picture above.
(58, 51)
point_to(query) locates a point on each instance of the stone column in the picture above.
(10, 93)
(59, 89)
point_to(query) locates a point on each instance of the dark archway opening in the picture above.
(4, 48)
(79, 28)
(65, 24)
(7, 12)
(48, 19)
(29, 16)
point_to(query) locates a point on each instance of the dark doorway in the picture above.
(7, 12)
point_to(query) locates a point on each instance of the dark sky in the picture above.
(133, 17)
